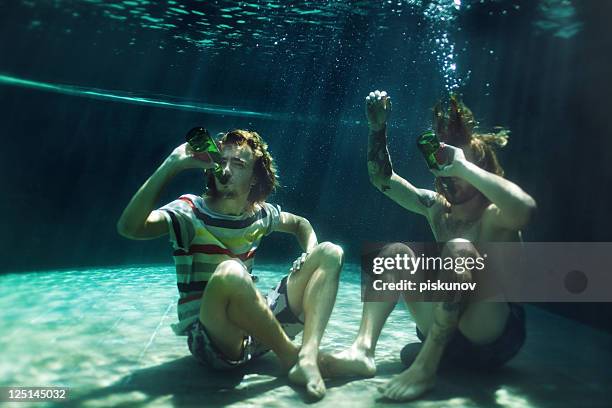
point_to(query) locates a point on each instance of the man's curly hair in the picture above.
(264, 169)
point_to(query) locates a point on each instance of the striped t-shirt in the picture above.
(202, 239)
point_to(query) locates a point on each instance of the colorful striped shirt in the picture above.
(202, 239)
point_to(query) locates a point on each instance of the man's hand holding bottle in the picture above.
(184, 157)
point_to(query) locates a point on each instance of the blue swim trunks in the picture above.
(207, 353)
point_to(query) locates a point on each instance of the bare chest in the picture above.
(445, 227)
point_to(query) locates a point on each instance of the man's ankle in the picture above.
(308, 355)
(289, 356)
(427, 361)
(364, 347)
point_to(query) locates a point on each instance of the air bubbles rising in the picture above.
(441, 16)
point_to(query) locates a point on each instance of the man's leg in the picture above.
(232, 307)
(420, 376)
(359, 358)
(312, 291)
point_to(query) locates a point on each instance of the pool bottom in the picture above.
(105, 334)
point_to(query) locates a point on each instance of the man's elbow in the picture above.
(374, 180)
(526, 213)
(303, 225)
(380, 182)
(377, 180)
(124, 231)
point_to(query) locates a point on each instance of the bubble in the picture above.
(441, 15)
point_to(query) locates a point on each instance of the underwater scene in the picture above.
(327, 203)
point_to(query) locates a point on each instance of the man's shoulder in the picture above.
(191, 197)
(267, 207)
(439, 207)
(490, 221)
(185, 204)
(489, 214)
(195, 202)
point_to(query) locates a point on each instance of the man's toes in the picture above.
(395, 392)
(400, 393)
(316, 389)
(390, 390)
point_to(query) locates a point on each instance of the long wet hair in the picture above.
(264, 168)
(455, 125)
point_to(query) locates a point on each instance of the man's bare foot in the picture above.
(308, 374)
(351, 362)
(409, 385)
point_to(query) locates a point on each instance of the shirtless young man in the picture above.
(215, 236)
(473, 203)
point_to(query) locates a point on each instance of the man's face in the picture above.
(237, 164)
(455, 189)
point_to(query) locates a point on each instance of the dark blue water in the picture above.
(113, 87)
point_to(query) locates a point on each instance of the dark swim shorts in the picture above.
(462, 352)
(207, 353)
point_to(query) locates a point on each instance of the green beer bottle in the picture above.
(429, 144)
(201, 142)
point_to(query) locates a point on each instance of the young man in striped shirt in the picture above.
(215, 237)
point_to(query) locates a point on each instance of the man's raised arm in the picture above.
(139, 220)
(380, 170)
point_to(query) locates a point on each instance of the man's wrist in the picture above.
(466, 169)
(168, 168)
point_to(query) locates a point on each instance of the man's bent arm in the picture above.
(300, 227)
(138, 220)
(513, 206)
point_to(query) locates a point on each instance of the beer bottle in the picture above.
(201, 142)
(429, 144)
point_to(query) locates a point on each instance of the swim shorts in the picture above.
(207, 353)
(462, 352)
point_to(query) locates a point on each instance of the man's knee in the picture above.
(397, 271)
(230, 273)
(459, 247)
(396, 248)
(329, 254)
(460, 250)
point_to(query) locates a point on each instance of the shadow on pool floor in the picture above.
(563, 364)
